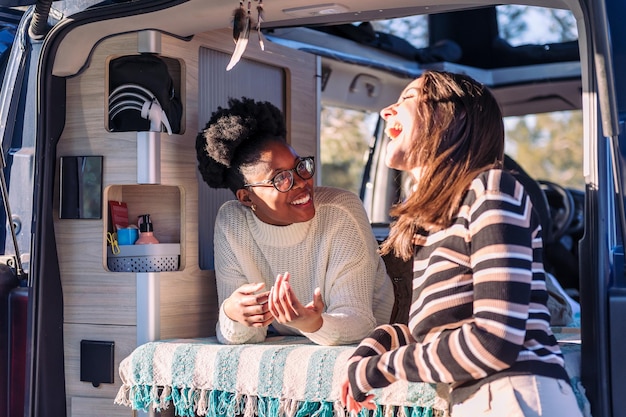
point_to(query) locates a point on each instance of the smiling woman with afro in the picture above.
(290, 258)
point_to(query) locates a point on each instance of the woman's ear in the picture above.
(243, 196)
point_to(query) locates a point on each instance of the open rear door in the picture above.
(603, 284)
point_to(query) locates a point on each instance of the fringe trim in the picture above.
(188, 402)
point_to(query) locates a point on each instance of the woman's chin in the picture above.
(393, 164)
(303, 213)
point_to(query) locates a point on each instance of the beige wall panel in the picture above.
(125, 340)
(101, 305)
(89, 289)
(188, 311)
(97, 407)
(103, 298)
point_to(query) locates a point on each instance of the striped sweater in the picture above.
(479, 301)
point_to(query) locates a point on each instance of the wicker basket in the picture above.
(145, 258)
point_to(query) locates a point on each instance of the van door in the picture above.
(602, 268)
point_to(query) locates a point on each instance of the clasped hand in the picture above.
(287, 309)
(247, 307)
(259, 309)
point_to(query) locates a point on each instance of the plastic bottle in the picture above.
(146, 235)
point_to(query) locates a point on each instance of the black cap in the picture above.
(146, 224)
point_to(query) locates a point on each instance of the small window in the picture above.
(549, 146)
(413, 29)
(345, 140)
(520, 25)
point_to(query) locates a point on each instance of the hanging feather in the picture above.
(260, 19)
(239, 18)
(241, 41)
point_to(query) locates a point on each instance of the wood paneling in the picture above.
(124, 338)
(97, 407)
(101, 305)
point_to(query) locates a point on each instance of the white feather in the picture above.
(240, 46)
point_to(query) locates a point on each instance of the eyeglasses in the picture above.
(283, 181)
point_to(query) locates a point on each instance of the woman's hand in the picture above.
(348, 401)
(287, 309)
(247, 307)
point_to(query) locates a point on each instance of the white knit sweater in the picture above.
(336, 251)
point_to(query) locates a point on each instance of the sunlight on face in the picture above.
(275, 207)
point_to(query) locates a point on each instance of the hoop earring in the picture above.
(253, 207)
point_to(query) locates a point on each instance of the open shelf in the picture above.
(164, 204)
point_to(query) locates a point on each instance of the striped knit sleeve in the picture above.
(486, 310)
(383, 339)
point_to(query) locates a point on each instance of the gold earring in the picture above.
(253, 207)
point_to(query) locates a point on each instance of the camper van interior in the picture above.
(91, 320)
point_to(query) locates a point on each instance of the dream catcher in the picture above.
(242, 22)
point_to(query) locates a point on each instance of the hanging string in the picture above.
(260, 18)
(238, 21)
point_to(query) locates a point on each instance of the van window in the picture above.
(548, 146)
(520, 25)
(413, 29)
(345, 139)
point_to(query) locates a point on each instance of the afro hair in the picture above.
(229, 138)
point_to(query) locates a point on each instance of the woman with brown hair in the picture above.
(478, 320)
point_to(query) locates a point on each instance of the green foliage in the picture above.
(510, 21)
(345, 141)
(413, 28)
(548, 146)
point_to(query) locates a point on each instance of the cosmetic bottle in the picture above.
(146, 235)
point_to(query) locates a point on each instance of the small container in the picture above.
(127, 235)
(146, 234)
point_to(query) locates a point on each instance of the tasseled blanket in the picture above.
(285, 376)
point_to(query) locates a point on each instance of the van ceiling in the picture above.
(197, 16)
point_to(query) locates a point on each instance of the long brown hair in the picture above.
(458, 133)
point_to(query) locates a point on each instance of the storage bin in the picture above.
(145, 258)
